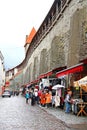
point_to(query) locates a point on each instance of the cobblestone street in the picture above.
(74, 121)
(15, 114)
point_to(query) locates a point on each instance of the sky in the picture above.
(17, 18)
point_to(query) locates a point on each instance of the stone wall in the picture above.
(63, 45)
(78, 41)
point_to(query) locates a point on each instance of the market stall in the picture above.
(58, 98)
(82, 101)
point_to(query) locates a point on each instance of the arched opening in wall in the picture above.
(76, 47)
(24, 77)
(57, 57)
(30, 72)
(83, 46)
(27, 75)
(35, 68)
(43, 61)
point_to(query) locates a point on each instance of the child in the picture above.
(27, 96)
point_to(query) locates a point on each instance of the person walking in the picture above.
(48, 97)
(36, 96)
(32, 98)
(68, 102)
(27, 96)
(42, 99)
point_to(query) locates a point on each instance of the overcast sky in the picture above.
(17, 17)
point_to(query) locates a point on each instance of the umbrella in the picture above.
(58, 86)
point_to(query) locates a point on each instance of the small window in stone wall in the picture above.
(35, 68)
(43, 62)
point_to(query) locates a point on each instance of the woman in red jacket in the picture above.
(42, 99)
(48, 97)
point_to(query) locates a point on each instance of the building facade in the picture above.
(2, 72)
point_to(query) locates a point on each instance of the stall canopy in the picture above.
(84, 61)
(82, 83)
(51, 72)
(45, 75)
(30, 83)
(73, 69)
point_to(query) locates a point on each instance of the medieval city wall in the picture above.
(62, 45)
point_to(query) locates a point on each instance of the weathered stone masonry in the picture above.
(61, 41)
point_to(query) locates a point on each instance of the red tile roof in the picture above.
(30, 36)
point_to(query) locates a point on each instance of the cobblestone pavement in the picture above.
(73, 121)
(15, 114)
